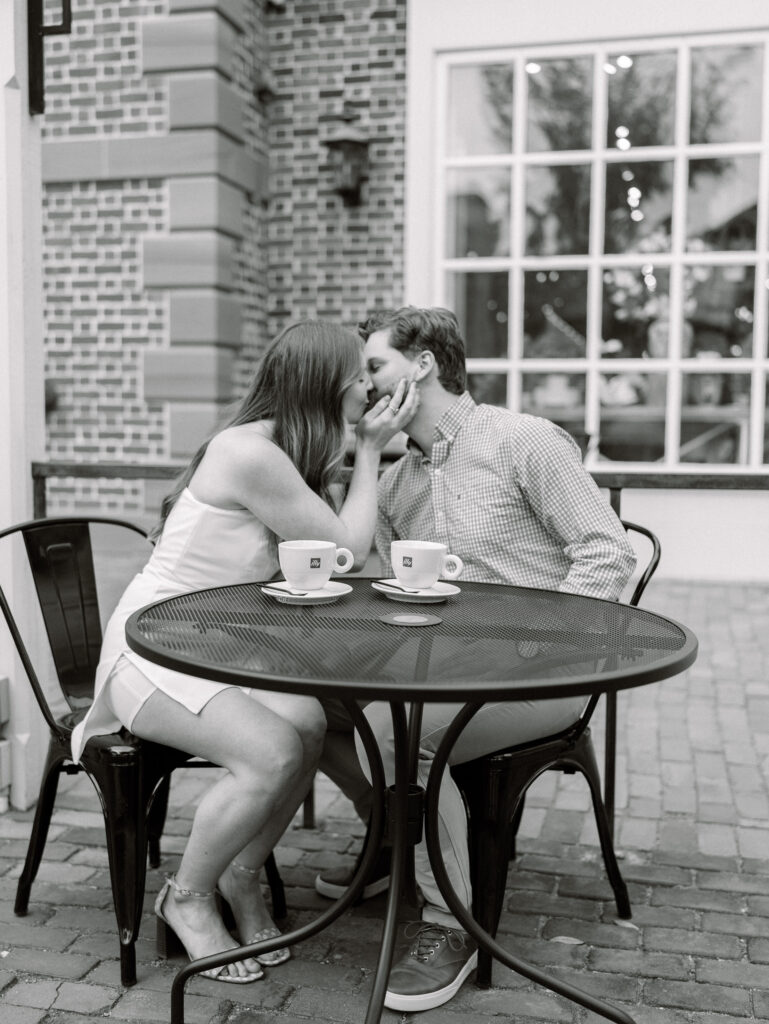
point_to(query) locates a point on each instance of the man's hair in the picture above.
(413, 329)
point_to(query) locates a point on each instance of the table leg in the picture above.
(375, 834)
(460, 911)
(398, 806)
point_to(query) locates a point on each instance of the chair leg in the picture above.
(40, 825)
(488, 798)
(584, 757)
(516, 824)
(277, 889)
(156, 820)
(125, 797)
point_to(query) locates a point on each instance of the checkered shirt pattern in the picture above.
(508, 493)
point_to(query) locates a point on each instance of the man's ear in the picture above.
(425, 363)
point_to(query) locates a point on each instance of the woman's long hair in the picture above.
(299, 384)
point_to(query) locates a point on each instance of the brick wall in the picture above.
(170, 254)
(325, 259)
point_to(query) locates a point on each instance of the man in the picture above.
(508, 494)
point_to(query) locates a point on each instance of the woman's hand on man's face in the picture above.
(390, 414)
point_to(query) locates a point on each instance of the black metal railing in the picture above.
(612, 480)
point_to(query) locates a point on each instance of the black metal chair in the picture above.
(131, 776)
(494, 788)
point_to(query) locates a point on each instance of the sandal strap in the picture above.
(171, 879)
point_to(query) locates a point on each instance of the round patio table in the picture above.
(488, 642)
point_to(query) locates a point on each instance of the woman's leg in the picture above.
(242, 888)
(266, 764)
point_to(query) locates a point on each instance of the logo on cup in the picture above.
(315, 563)
(408, 562)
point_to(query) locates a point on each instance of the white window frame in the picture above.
(516, 263)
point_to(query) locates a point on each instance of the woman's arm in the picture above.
(243, 468)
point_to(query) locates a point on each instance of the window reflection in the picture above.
(721, 203)
(714, 418)
(480, 109)
(554, 314)
(489, 388)
(478, 212)
(726, 94)
(559, 397)
(636, 310)
(559, 104)
(719, 310)
(480, 301)
(632, 416)
(639, 206)
(642, 89)
(557, 210)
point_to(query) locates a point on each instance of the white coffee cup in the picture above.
(419, 563)
(308, 564)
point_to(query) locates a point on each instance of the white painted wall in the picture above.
(22, 415)
(706, 534)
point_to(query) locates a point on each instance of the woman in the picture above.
(268, 474)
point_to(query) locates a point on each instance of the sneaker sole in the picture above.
(429, 1000)
(333, 892)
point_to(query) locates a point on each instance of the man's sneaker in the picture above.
(433, 970)
(336, 881)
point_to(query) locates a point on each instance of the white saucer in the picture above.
(326, 595)
(431, 595)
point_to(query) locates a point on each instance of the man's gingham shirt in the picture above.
(508, 493)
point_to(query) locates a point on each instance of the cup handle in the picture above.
(347, 559)
(452, 574)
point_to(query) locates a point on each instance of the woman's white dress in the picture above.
(201, 546)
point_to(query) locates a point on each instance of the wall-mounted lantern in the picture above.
(348, 146)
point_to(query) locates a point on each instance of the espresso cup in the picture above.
(308, 564)
(419, 563)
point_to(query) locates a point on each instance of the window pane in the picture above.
(554, 314)
(642, 90)
(633, 417)
(635, 311)
(480, 302)
(478, 213)
(557, 210)
(726, 94)
(560, 104)
(480, 109)
(721, 204)
(714, 418)
(639, 206)
(490, 388)
(559, 397)
(719, 310)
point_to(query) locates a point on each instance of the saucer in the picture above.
(430, 595)
(281, 591)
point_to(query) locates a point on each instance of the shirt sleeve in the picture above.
(567, 501)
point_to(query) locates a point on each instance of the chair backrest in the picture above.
(61, 561)
(653, 562)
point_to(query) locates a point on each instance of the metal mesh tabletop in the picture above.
(491, 641)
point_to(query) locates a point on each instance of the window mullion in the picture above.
(517, 235)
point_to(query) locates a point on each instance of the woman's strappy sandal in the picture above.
(168, 942)
(275, 956)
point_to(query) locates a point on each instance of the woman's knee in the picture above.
(310, 724)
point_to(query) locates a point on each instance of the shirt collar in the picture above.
(450, 423)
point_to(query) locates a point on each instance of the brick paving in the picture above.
(692, 834)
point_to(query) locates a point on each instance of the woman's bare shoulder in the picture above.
(247, 440)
